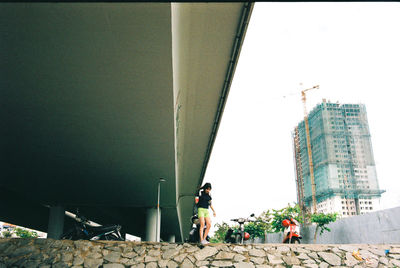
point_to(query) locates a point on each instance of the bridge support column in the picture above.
(151, 224)
(171, 239)
(56, 222)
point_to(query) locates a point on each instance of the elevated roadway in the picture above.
(100, 100)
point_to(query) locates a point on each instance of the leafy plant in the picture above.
(255, 229)
(6, 234)
(219, 234)
(23, 233)
(277, 216)
(322, 220)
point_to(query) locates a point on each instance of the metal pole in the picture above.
(158, 210)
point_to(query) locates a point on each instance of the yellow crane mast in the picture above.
(310, 161)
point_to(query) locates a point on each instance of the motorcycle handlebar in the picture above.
(245, 220)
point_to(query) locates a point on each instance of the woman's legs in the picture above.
(208, 227)
(201, 229)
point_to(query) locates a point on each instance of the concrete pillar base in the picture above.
(56, 222)
(151, 224)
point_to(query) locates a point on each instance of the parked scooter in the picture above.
(238, 236)
(82, 230)
(194, 234)
(291, 232)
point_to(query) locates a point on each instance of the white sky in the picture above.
(352, 50)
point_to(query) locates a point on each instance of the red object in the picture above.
(286, 223)
(246, 236)
(196, 199)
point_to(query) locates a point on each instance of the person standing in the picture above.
(204, 216)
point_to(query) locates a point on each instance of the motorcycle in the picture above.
(292, 231)
(83, 230)
(194, 234)
(239, 235)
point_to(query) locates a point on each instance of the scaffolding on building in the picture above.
(335, 131)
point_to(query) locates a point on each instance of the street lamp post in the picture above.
(158, 210)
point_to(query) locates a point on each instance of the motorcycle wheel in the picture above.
(295, 241)
(238, 239)
(113, 237)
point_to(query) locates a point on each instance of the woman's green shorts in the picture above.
(203, 212)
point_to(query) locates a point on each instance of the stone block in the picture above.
(92, 263)
(180, 257)
(257, 260)
(206, 252)
(113, 265)
(310, 265)
(154, 253)
(291, 260)
(112, 256)
(384, 260)
(95, 255)
(257, 253)
(313, 255)
(169, 253)
(163, 263)
(303, 256)
(150, 259)
(395, 263)
(283, 249)
(222, 263)
(129, 255)
(244, 265)
(350, 260)
(186, 264)
(139, 250)
(240, 249)
(140, 265)
(202, 263)
(223, 255)
(378, 252)
(274, 260)
(395, 250)
(367, 254)
(172, 264)
(22, 251)
(394, 256)
(323, 265)
(239, 258)
(78, 260)
(330, 258)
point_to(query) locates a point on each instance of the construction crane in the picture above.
(310, 161)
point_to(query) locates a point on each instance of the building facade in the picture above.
(343, 162)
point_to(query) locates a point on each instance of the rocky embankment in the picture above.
(48, 253)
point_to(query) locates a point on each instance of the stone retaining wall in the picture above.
(49, 253)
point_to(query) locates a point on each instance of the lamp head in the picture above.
(162, 180)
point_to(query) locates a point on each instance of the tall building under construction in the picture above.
(343, 163)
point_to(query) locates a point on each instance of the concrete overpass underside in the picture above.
(100, 100)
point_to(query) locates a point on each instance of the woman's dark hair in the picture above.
(206, 186)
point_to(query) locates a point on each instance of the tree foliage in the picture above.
(322, 220)
(219, 234)
(19, 232)
(270, 221)
(23, 233)
(267, 222)
(6, 234)
(277, 216)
